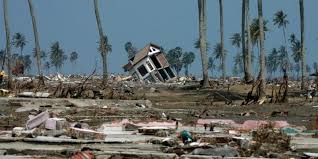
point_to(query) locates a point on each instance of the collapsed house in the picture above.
(150, 64)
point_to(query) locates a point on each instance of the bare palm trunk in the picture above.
(102, 42)
(37, 43)
(222, 40)
(249, 42)
(8, 45)
(302, 38)
(243, 40)
(262, 51)
(203, 50)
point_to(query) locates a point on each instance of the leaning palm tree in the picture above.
(261, 76)
(302, 38)
(103, 49)
(222, 39)
(19, 41)
(8, 46)
(37, 43)
(203, 47)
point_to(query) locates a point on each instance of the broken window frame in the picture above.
(142, 70)
(151, 68)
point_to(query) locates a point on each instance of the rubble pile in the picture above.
(45, 124)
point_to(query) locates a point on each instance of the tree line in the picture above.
(56, 57)
(252, 35)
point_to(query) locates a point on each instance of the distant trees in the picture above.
(238, 59)
(57, 56)
(19, 41)
(187, 60)
(179, 59)
(218, 53)
(73, 57)
(130, 49)
(174, 57)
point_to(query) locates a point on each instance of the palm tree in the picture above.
(261, 88)
(37, 43)
(57, 56)
(174, 58)
(107, 46)
(8, 46)
(243, 35)
(103, 49)
(222, 39)
(27, 62)
(255, 30)
(238, 64)
(280, 19)
(73, 57)
(187, 60)
(43, 55)
(283, 58)
(238, 59)
(246, 50)
(203, 47)
(302, 39)
(211, 65)
(19, 41)
(47, 66)
(218, 54)
(249, 57)
(236, 40)
(130, 49)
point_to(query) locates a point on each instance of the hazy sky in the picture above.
(168, 23)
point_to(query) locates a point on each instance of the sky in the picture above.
(168, 23)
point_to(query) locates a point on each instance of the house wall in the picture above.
(143, 62)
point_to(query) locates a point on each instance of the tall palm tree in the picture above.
(261, 76)
(19, 41)
(203, 47)
(302, 42)
(249, 57)
(37, 43)
(101, 38)
(280, 19)
(8, 45)
(222, 40)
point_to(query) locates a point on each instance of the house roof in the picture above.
(141, 54)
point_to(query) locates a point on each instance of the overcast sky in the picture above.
(168, 23)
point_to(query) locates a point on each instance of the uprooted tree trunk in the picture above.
(281, 95)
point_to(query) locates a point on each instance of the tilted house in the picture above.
(150, 64)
